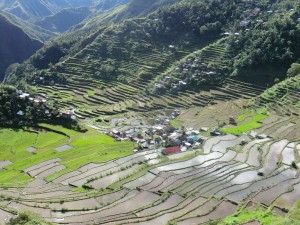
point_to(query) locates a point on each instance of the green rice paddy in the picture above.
(90, 146)
(247, 126)
(262, 216)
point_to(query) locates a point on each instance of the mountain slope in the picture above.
(147, 47)
(128, 57)
(121, 11)
(37, 9)
(33, 31)
(283, 98)
(108, 4)
(79, 37)
(63, 20)
(15, 45)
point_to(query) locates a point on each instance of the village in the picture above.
(161, 134)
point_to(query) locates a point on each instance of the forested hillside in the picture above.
(273, 27)
(15, 44)
(17, 108)
(42, 21)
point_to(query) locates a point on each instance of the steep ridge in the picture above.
(140, 55)
(15, 45)
(63, 20)
(125, 9)
(33, 31)
(74, 15)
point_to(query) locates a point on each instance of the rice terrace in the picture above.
(153, 112)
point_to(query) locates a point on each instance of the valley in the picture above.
(169, 112)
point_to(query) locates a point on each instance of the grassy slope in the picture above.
(91, 146)
(264, 217)
(282, 90)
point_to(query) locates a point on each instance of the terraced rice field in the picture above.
(54, 152)
(207, 185)
(94, 96)
(91, 179)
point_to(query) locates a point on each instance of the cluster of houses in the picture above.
(63, 113)
(186, 71)
(25, 95)
(161, 134)
(254, 15)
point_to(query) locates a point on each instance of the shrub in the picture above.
(25, 218)
(294, 70)
(294, 165)
(146, 75)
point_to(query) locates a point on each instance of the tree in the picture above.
(145, 75)
(294, 70)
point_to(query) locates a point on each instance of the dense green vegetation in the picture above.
(136, 53)
(11, 103)
(263, 216)
(17, 110)
(294, 70)
(203, 53)
(28, 218)
(271, 40)
(257, 45)
(283, 97)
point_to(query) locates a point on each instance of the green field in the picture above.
(247, 126)
(176, 123)
(90, 146)
(265, 217)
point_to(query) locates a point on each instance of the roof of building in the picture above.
(67, 112)
(194, 137)
(171, 150)
(20, 113)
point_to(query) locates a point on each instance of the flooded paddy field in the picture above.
(195, 186)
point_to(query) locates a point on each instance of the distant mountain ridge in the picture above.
(70, 17)
(118, 12)
(37, 9)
